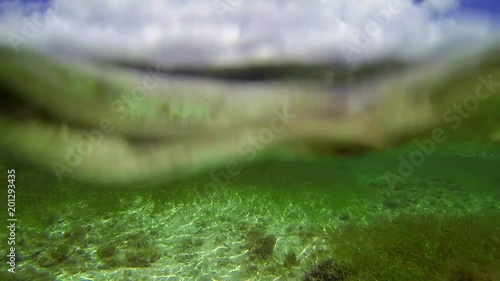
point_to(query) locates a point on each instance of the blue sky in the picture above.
(215, 32)
(490, 7)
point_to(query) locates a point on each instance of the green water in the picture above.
(306, 219)
(355, 201)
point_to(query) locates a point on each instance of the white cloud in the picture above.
(224, 31)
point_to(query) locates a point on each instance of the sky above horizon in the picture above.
(232, 31)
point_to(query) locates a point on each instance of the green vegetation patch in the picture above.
(422, 247)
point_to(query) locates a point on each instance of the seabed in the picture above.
(309, 219)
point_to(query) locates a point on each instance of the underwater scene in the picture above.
(116, 167)
(420, 204)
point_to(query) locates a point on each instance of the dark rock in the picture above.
(328, 270)
(390, 204)
(345, 216)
